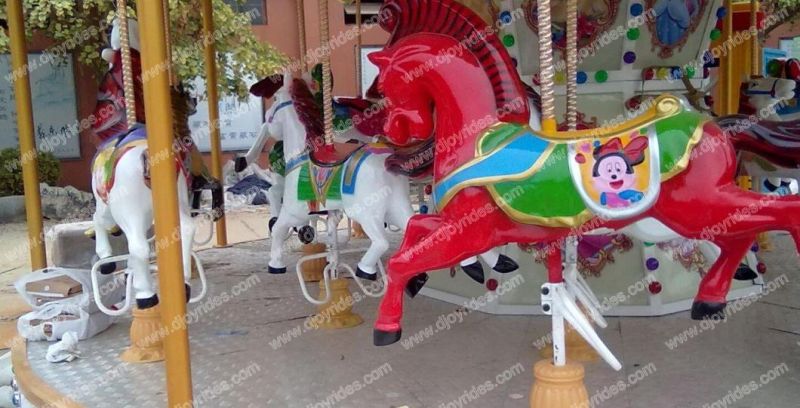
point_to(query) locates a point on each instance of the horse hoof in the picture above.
(272, 222)
(276, 271)
(505, 264)
(474, 271)
(306, 234)
(385, 338)
(240, 164)
(744, 273)
(108, 268)
(116, 231)
(147, 303)
(415, 284)
(365, 275)
(188, 292)
(708, 310)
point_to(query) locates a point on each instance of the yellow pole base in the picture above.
(146, 337)
(338, 312)
(312, 270)
(577, 348)
(358, 232)
(558, 387)
(764, 243)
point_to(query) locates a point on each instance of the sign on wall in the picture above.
(240, 121)
(55, 111)
(368, 70)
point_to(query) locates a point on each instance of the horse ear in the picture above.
(287, 78)
(268, 86)
(381, 59)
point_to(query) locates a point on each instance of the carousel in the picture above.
(510, 157)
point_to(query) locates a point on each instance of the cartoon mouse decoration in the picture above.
(613, 173)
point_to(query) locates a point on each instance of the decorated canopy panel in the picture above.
(625, 47)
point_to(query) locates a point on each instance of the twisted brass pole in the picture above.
(546, 70)
(327, 98)
(572, 64)
(127, 70)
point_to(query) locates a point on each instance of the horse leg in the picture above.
(280, 231)
(188, 229)
(714, 287)
(275, 197)
(732, 220)
(103, 221)
(139, 260)
(439, 237)
(373, 227)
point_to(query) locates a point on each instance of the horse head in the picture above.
(443, 62)
(765, 92)
(115, 39)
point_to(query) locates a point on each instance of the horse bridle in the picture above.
(278, 108)
(771, 92)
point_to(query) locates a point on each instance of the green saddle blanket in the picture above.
(618, 173)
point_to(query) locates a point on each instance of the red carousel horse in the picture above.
(473, 104)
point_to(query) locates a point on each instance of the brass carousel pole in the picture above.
(755, 47)
(213, 109)
(165, 211)
(546, 69)
(359, 68)
(27, 143)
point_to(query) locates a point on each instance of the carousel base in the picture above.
(250, 348)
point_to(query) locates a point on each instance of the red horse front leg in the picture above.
(431, 243)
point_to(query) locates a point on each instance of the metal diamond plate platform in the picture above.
(235, 361)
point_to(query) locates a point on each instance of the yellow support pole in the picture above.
(165, 211)
(27, 143)
(210, 53)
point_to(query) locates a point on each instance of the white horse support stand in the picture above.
(334, 307)
(146, 328)
(558, 379)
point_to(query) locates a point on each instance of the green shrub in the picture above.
(11, 171)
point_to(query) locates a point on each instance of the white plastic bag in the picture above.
(51, 321)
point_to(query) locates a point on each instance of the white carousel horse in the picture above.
(378, 197)
(120, 184)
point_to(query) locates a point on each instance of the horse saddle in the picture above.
(110, 152)
(564, 183)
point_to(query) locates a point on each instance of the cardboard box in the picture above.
(58, 287)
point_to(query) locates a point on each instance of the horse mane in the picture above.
(309, 113)
(403, 18)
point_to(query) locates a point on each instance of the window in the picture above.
(369, 8)
(256, 8)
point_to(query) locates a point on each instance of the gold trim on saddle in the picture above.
(664, 107)
(683, 163)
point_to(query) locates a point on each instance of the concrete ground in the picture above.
(250, 348)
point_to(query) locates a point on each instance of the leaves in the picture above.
(79, 28)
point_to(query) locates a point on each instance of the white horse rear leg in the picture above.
(373, 227)
(187, 228)
(102, 221)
